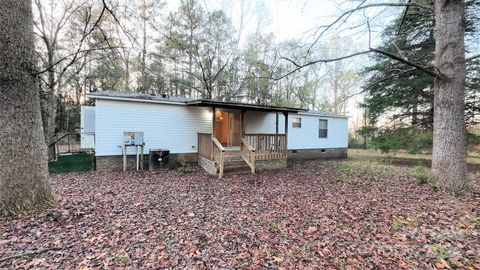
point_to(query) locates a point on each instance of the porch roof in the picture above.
(242, 106)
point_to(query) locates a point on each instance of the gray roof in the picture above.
(325, 114)
(141, 97)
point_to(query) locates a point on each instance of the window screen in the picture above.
(296, 122)
(323, 128)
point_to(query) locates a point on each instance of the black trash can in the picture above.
(158, 159)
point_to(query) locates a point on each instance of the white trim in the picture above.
(136, 100)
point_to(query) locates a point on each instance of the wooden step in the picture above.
(233, 159)
(236, 165)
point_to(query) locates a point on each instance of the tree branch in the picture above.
(360, 7)
(403, 18)
(410, 63)
(73, 54)
(473, 57)
(298, 66)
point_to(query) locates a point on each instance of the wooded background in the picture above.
(146, 46)
(188, 50)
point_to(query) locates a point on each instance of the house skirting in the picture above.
(271, 164)
(317, 153)
(115, 163)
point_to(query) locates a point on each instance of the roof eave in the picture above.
(234, 105)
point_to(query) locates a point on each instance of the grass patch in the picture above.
(400, 223)
(403, 157)
(362, 168)
(72, 163)
(441, 253)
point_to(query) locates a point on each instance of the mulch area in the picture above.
(306, 217)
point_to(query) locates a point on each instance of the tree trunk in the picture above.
(449, 152)
(24, 181)
(144, 52)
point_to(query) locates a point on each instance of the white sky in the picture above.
(298, 19)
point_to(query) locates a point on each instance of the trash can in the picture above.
(158, 159)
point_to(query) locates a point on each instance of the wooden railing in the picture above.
(205, 145)
(218, 155)
(210, 148)
(268, 146)
(248, 154)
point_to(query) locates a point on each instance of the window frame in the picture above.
(299, 123)
(320, 129)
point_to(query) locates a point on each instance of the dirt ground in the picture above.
(337, 214)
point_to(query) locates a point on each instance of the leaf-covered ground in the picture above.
(314, 215)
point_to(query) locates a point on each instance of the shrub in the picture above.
(355, 143)
(411, 139)
(420, 174)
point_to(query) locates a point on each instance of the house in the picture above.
(210, 133)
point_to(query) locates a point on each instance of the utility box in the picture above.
(132, 138)
(158, 159)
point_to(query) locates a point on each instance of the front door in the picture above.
(227, 128)
(234, 129)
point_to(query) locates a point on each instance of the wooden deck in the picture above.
(253, 147)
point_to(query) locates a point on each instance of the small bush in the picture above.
(420, 174)
(354, 142)
(125, 259)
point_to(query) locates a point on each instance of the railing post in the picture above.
(220, 173)
(252, 161)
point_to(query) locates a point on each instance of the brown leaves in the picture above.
(304, 217)
(311, 230)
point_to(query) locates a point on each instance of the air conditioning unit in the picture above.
(158, 159)
(133, 138)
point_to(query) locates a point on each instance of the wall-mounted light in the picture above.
(218, 116)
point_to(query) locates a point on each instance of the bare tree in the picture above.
(63, 29)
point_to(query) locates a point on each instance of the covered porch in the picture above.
(229, 138)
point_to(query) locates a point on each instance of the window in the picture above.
(323, 128)
(296, 122)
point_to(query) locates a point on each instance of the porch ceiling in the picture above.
(242, 106)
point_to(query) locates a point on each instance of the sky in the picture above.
(300, 19)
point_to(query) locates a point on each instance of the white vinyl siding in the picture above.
(306, 137)
(175, 127)
(165, 126)
(261, 122)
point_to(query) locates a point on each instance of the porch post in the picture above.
(242, 123)
(286, 132)
(213, 122)
(277, 139)
(276, 122)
